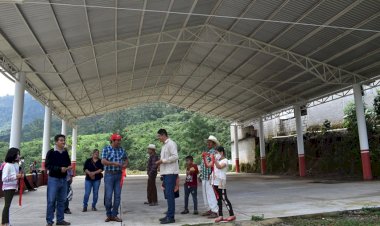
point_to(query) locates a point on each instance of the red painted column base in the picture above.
(237, 166)
(366, 165)
(74, 165)
(301, 164)
(43, 164)
(263, 165)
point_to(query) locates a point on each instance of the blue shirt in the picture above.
(114, 155)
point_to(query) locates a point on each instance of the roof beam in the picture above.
(209, 18)
(93, 49)
(67, 49)
(138, 42)
(178, 38)
(42, 49)
(212, 52)
(157, 44)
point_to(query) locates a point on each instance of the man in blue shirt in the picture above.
(114, 159)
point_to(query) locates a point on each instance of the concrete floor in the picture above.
(250, 194)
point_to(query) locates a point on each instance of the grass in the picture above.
(367, 216)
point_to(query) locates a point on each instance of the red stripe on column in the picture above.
(237, 166)
(302, 166)
(263, 165)
(366, 165)
(43, 164)
(74, 164)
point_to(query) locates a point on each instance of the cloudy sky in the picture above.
(6, 86)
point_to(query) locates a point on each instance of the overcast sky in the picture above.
(7, 87)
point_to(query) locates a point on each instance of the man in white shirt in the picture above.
(169, 169)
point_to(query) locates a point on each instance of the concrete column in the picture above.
(64, 127)
(262, 147)
(363, 137)
(300, 145)
(236, 143)
(46, 135)
(74, 148)
(18, 111)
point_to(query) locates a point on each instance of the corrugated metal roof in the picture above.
(80, 55)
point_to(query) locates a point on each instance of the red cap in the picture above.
(115, 136)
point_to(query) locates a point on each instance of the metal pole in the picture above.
(300, 145)
(46, 135)
(362, 129)
(17, 112)
(74, 148)
(262, 146)
(236, 143)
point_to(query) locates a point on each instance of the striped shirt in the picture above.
(114, 155)
(9, 176)
(206, 172)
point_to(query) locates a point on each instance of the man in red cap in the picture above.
(114, 159)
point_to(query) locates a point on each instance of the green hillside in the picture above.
(188, 129)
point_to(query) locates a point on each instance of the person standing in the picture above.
(152, 175)
(93, 168)
(58, 163)
(114, 159)
(219, 181)
(169, 169)
(208, 193)
(10, 175)
(191, 185)
(34, 172)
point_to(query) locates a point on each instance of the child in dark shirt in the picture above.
(191, 184)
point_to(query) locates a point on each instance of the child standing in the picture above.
(220, 164)
(10, 175)
(191, 185)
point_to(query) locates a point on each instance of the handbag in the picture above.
(96, 168)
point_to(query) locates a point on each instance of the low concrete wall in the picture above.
(42, 180)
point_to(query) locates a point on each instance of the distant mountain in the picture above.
(33, 122)
(32, 110)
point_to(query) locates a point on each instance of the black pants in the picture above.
(194, 193)
(8, 196)
(35, 178)
(152, 189)
(222, 196)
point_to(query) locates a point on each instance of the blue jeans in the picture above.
(169, 184)
(112, 187)
(194, 193)
(88, 186)
(56, 194)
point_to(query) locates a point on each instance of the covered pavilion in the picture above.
(238, 60)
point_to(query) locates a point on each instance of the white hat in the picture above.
(213, 139)
(152, 146)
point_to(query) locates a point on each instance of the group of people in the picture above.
(214, 167)
(112, 164)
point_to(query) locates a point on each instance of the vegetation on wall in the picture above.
(328, 152)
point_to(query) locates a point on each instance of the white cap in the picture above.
(152, 146)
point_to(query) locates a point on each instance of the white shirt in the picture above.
(220, 174)
(169, 157)
(9, 176)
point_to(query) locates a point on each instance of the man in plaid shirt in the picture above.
(209, 197)
(114, 159)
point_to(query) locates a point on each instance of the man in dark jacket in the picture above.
(57, 163)
(152, 174)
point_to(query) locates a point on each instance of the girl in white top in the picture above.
(10, 175)
(218, 180)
